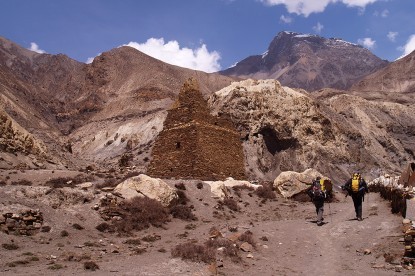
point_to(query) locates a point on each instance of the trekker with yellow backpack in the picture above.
(356, 187)
(320, 190)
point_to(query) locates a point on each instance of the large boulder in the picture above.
(222, 189)
(289, 183)
(143, 185)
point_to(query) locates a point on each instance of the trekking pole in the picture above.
(331, 219)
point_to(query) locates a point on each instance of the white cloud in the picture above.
(408, 47)
(170, 52)
(385, 13)
(286, 19)
(307, 7)
(35, 48)
(357, 3)
(367, 42)
(392, 36)
(317, 28)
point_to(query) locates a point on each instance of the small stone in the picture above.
(37, 225)
(250, 256)
(398, 268)
(29, 218)
(367, 252)
(265, 246)
(246, 247)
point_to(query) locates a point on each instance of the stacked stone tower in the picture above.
(194, 144)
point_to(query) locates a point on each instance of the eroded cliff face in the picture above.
(288, 130)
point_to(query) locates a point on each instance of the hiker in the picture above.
(356, 187)
(319, 191)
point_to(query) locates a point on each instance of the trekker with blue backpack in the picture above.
(320, 191)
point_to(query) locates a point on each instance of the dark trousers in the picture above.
(357, 201)
(319, 209)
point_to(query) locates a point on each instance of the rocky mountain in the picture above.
(60, 113)
(398, 76)
(290, 130)
(87, 113)
(310, 62)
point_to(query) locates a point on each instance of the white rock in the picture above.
(144, 185)
(290, 183)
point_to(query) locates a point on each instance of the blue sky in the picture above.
(208, 35)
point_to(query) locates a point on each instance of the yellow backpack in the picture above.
(326, 185)
(355, 183)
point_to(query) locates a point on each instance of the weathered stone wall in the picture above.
(23, 223)
(195, 144)
(220, 151)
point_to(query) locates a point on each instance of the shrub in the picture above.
(64, 233)
(182, 212)
(77, 226)
(180, 186)
(90, 265)
(199, 185)
(194, 252)
(103, 227)
(45, 228)
(230, 249)
(248, 237)
(18, 262)
(61, 182)
(55, 266)
(139, 250)
(266, 191)
(231, 204)
(190, 226)
(10, 246)
(129, 175)
(264, 238)
(22, 182)
(133, 241)
(109, 182)
(237, 189)
(2, 183)
(183, 199)
(91, 244)
(140, 213)
(151, 238)
(125, 159)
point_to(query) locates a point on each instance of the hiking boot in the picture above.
(359, 219)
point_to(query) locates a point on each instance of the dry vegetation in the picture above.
(140, 213)
(194, 252)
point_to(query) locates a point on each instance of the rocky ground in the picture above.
(248, 234)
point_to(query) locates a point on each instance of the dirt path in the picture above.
(300, 247)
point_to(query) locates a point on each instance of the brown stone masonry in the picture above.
(195, 144)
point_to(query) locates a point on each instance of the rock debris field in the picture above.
(248, 232)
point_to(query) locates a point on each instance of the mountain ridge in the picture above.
(309, 62)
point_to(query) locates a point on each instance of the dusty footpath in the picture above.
(287, 240)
